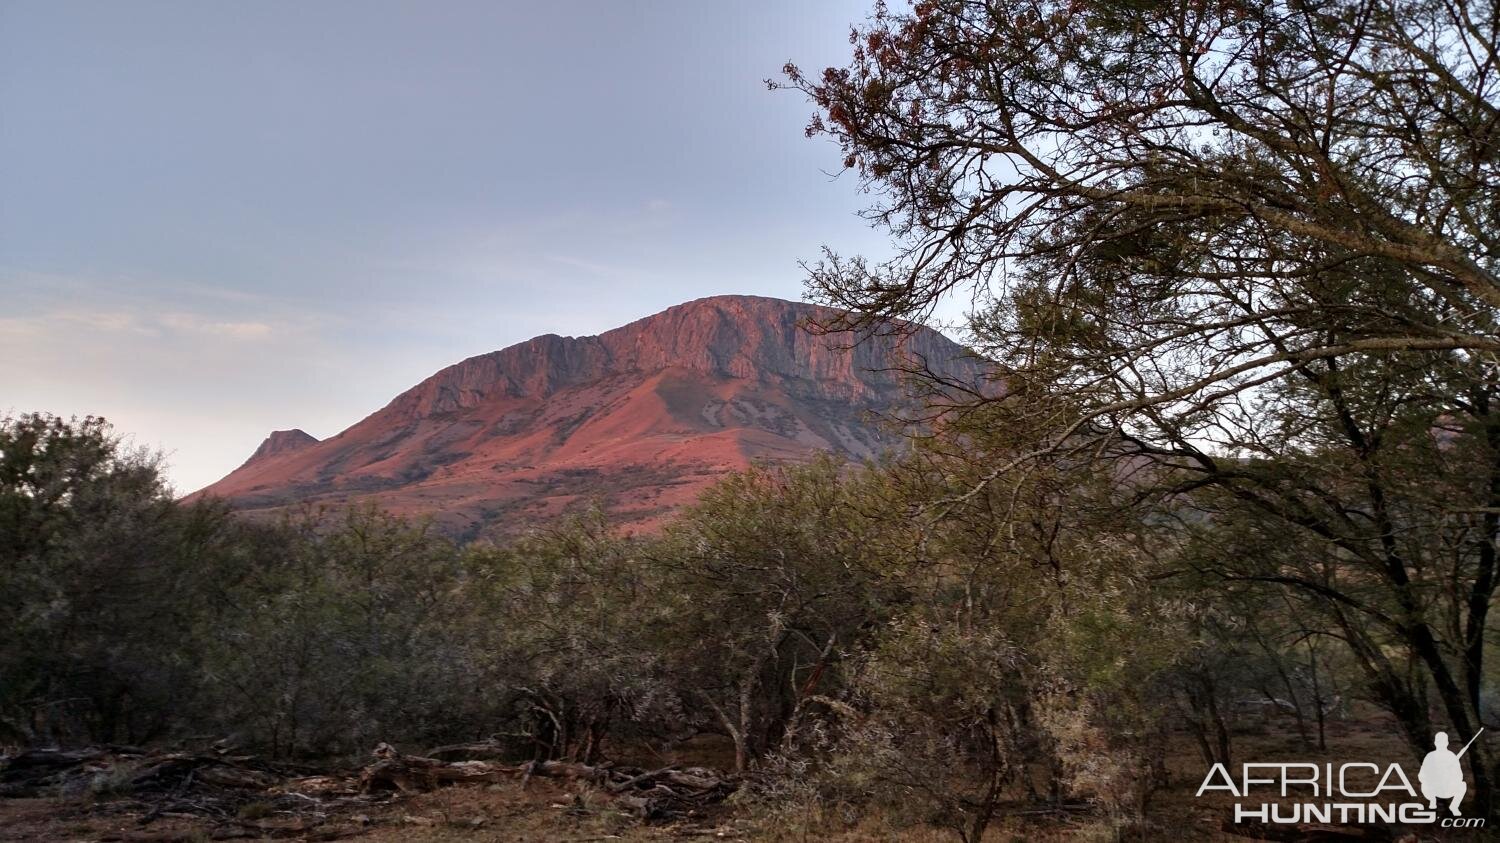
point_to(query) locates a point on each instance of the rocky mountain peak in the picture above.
(282, 442)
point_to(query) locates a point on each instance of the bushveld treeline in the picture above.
(896, 638)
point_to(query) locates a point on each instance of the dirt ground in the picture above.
(550, 810)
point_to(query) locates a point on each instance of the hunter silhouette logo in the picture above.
(1442, 777)
(1356, 792)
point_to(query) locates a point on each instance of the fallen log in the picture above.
(653, 794)
(490, 750)
(217, 786)
(130, 770)
(643, 777)
(171, 771)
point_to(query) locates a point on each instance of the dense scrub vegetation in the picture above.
(871, 637)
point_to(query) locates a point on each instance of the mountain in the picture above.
(640, 418)
(280, 442)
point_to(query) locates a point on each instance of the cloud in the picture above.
(50, 305)
(199, 324)
(134, 322)
(103, 320)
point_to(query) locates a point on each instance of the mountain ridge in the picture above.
(641, 417)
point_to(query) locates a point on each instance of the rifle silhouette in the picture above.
(1470, 743)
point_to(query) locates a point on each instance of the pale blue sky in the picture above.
(219, 218)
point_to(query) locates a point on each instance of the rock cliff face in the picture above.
(639, 419)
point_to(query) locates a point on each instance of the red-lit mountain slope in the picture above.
(640, 418)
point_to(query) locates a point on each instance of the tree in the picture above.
(570, 633)
(772, 579)
(1250, 244)
(339, 630)
(102, 574)
(1018, 648)
(945, 726)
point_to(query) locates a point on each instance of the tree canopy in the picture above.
(1239, 256)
